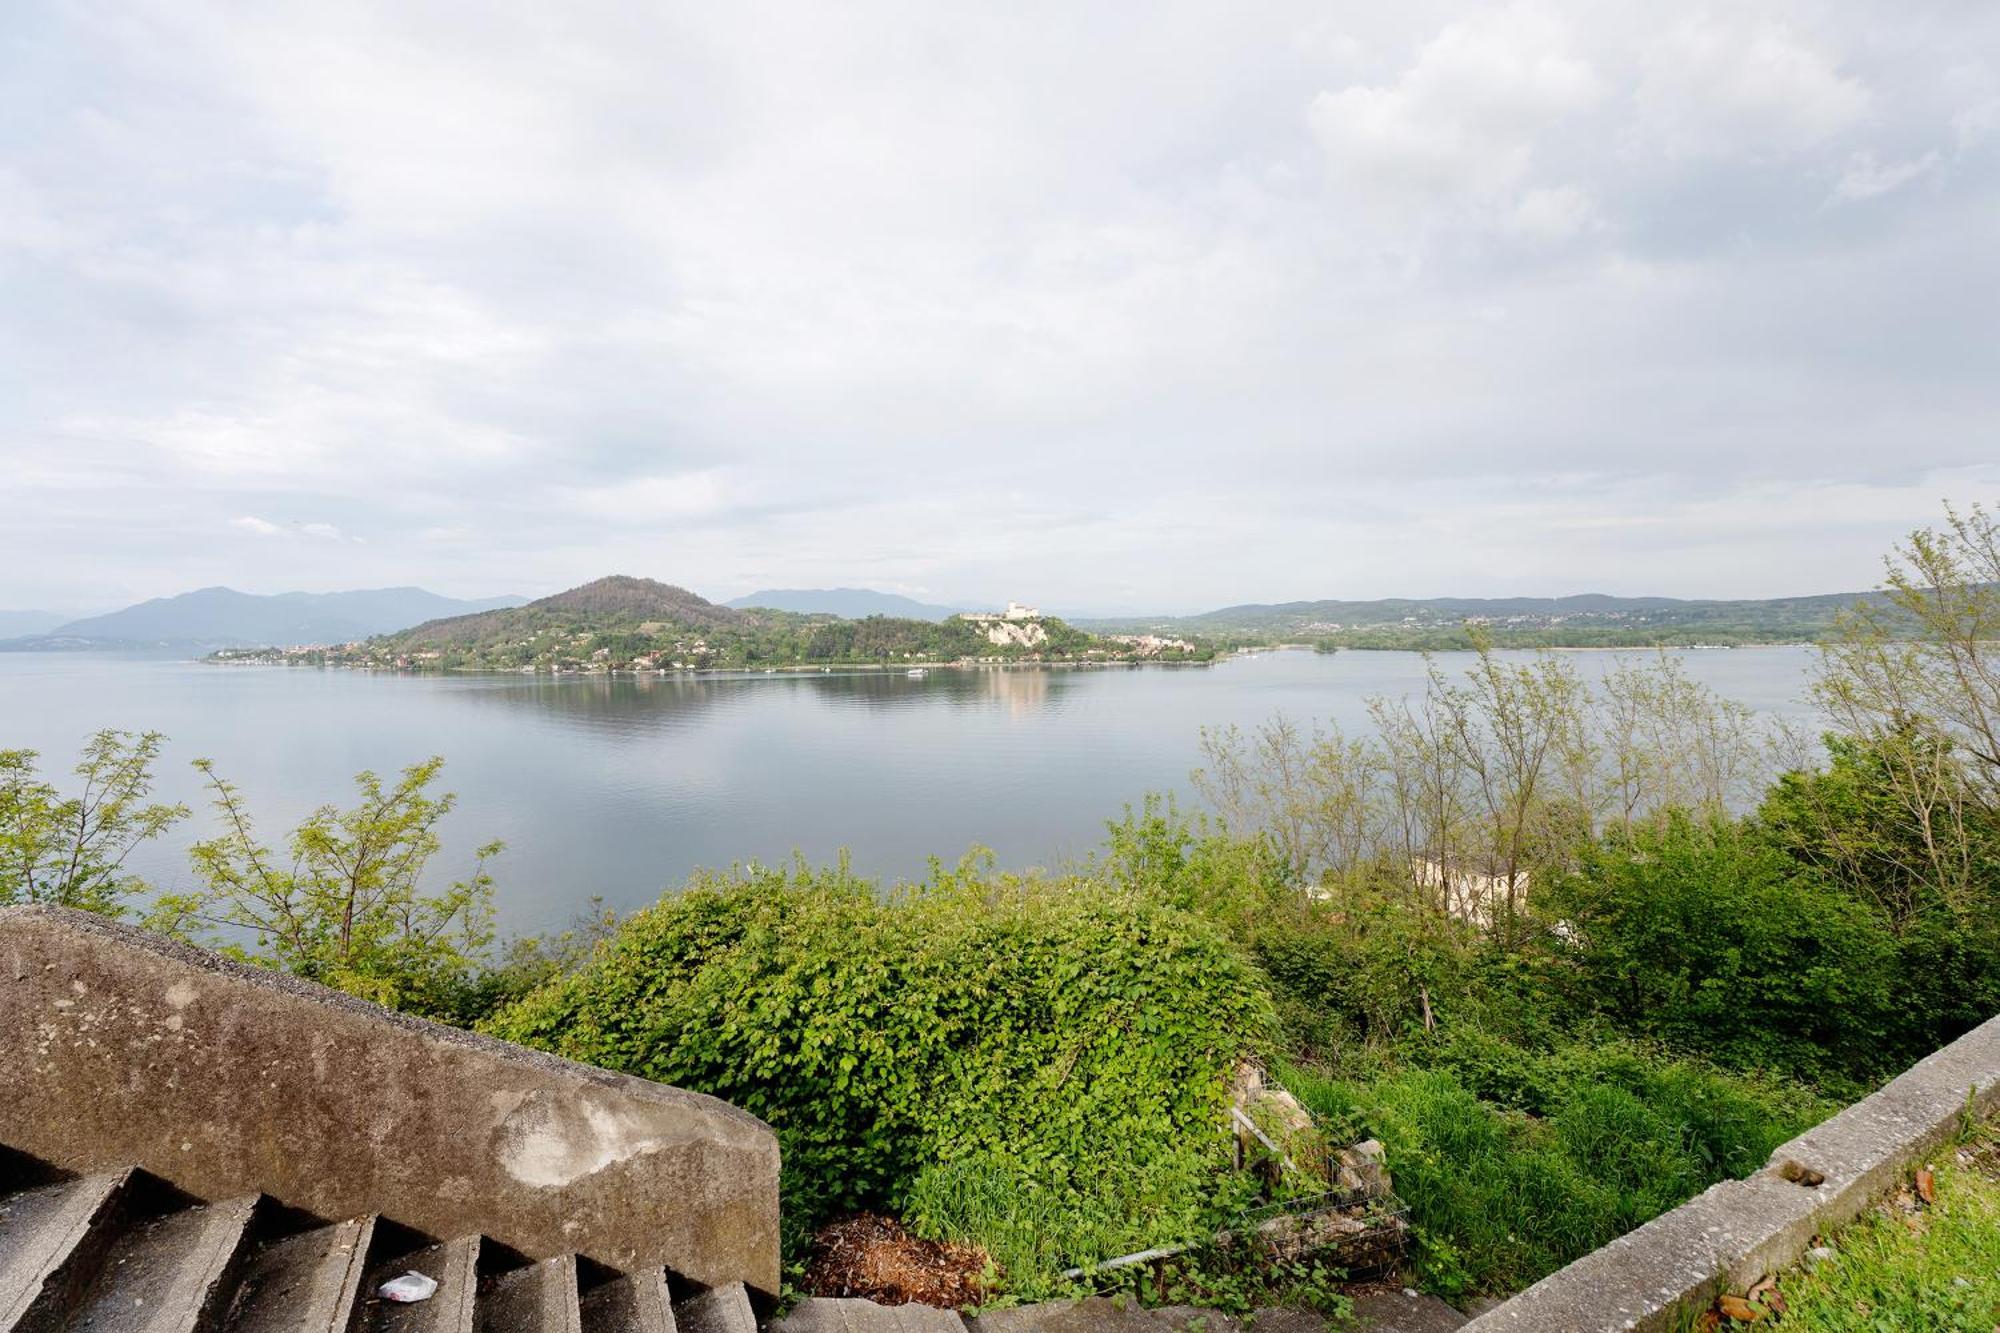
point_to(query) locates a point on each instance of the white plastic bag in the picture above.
(408, 1289)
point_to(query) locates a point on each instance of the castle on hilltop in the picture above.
(1014, 611)
(1018, 625)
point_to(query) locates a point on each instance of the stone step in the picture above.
(307, 1283)
(1404, 1312)
(51, 1239)
(540, 1298)
(630, 1303)
(724, 1309)
(453, 1264)
(166, 1273)
(825, 1314)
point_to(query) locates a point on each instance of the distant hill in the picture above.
(28, 622)
(847, 603)
(1581, 620)
(224, 617)
(615, 602)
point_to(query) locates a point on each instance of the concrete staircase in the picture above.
(123, 1252)
(188, 1145)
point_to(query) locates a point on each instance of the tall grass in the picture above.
(1511, 1170)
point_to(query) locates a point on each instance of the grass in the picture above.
(1510, 1173)
(1910, 1267)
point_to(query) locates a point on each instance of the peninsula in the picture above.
(621, 623)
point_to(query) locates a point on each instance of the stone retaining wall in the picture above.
(121, 1048)
(1735, 1233)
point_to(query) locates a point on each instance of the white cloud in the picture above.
(1741, 84)
(1465, 116)
(1865, 178)
(251, 523)
(649, 500)
(1553, 214)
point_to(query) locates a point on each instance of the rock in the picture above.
(1363, 1168)
(1735, 1307)
(1800, 1174)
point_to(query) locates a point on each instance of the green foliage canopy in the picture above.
(1063, 1039)
(70, 851)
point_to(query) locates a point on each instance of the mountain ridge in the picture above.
(847, 603)
(220, 616)
(1579, 619)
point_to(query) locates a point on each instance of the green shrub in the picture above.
(1039, 1066)
(1701, 934)
(1889, 822)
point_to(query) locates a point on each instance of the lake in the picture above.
(619, 787)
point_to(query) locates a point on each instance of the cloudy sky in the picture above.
(1110, 307)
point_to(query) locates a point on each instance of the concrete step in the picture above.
(630, 1303)
(1401, 1312)
(51, 1239)
(166, 1273)
(723, 1309)
(453, 1264)
(540, 1298)
(823, 1314)
(307, 1283)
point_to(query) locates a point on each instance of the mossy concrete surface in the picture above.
(123, 1049)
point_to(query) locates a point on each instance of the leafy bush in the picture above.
(1702, 934)
(1039, 1066)
(1890, 822)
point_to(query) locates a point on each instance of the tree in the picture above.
(350, 909)
(1312, 793)
(1928, 655)
(71, 851)
(1671, 742)
(1699, 932)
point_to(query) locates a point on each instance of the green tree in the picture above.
(1699, 932)
(71, 850)
(349, 909)
(1931, 868)
(1929, 656)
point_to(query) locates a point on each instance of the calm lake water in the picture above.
(618, 788)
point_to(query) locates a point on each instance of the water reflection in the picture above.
(675, 702)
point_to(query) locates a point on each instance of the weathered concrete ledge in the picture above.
(1736, 1232)
(118, 1047)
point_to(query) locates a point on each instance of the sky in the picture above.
(1100, 306)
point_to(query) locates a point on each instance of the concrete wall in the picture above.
(1728, 1237)
(118, 1047)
